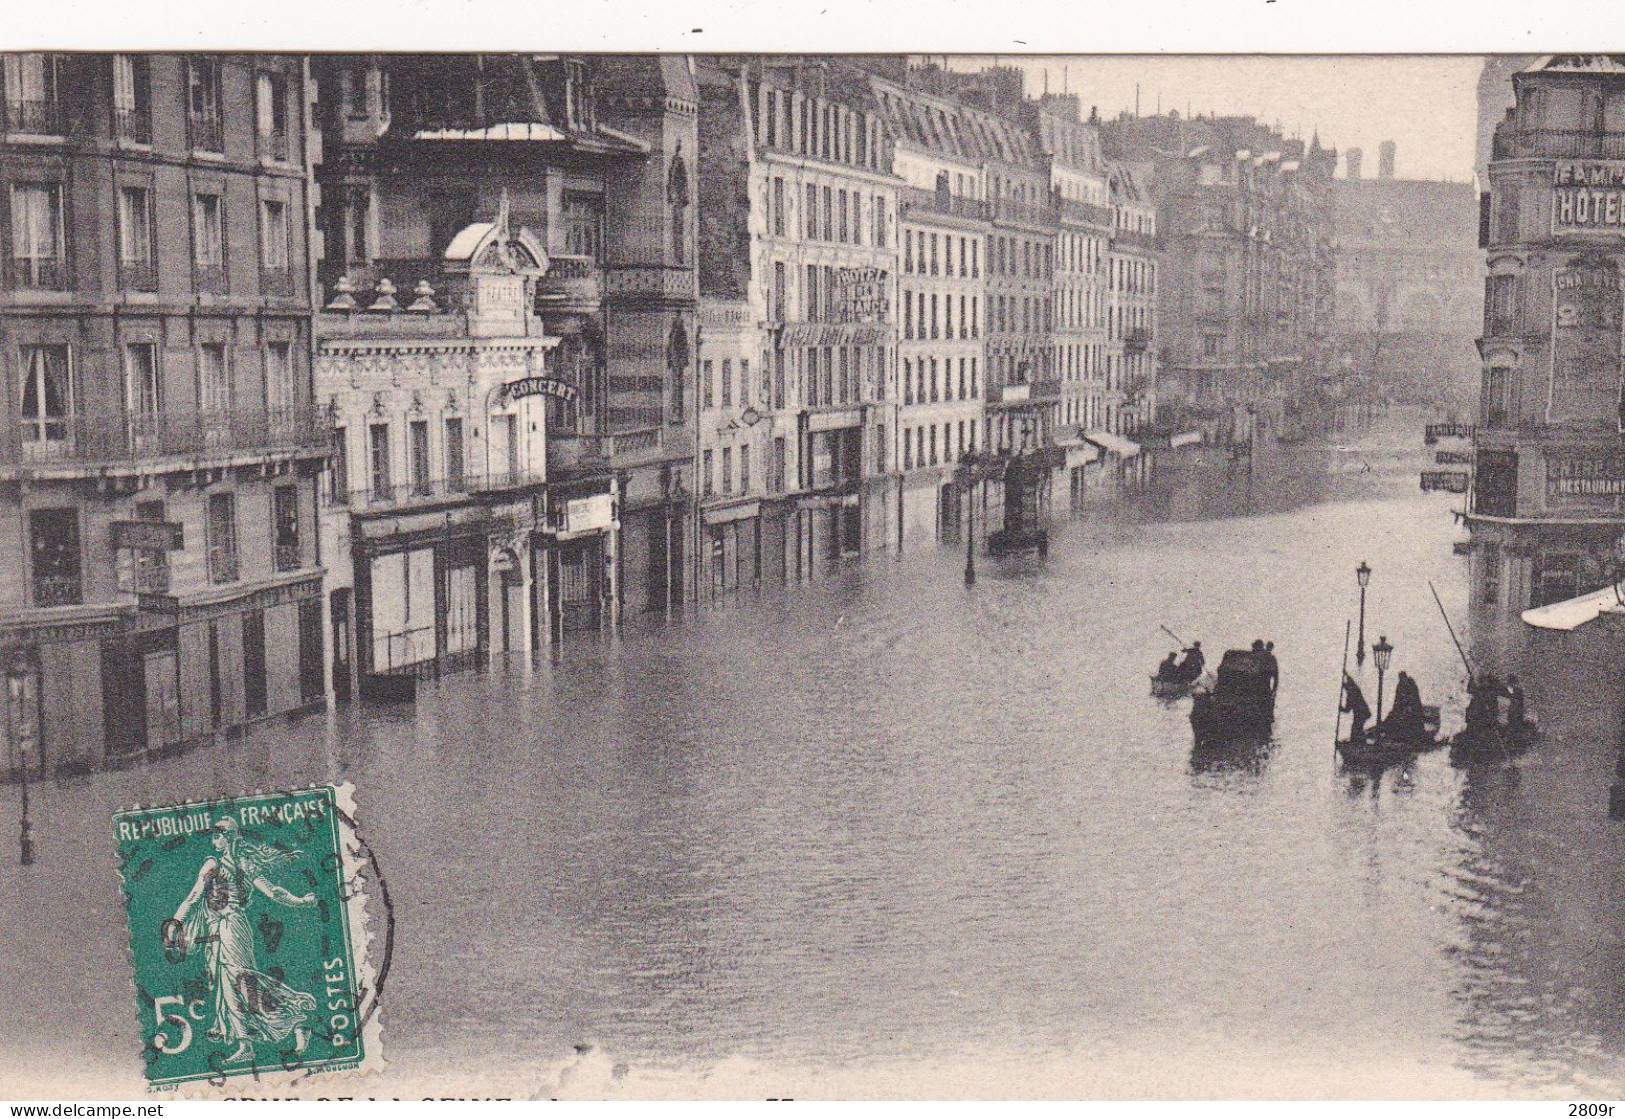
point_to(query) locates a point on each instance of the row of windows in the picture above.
(1076, 252)
(920, 444)
(830, 214)
(1021, 256)
(422, 478)
(826, 298)
(56, 559)
(728, 455)
(921, 383)
(1132, 275)
(53, 425)
(816, 127)
(38, 256)
(39, 87)
(920, 316)
(960, 255)
(713, 390)
(1025, 315)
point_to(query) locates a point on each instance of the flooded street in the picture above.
(885, 830)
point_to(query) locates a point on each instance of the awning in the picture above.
(1185, 439)
(1116, 444)
(1573, 613)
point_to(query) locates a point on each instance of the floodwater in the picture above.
(884, 835)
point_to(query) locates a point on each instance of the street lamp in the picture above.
(967, 473)
(1383, 654)
(1362, 575)
(16, 700)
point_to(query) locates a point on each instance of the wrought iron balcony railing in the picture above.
(1559, 143)
(114, 439)
(36, 274)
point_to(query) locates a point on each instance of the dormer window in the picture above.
(578, 92)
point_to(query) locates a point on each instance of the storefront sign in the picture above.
(1585, 372)
(1436, 432)
(1453, 458)
(149, 536)
(535, 386)
(1588, 195)
(1581, 480)
(589, 514)
(1448, 481)
(831, 334)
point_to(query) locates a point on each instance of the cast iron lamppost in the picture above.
(1383, 654)
(967, 475)
(16, 684)
(1362, 575)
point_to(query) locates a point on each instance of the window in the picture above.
(281, 387)
(271, 115)
(285, 524)
(1497, 396)
(880, 222)
(584, 225)
(275, 276)
(53, 552)
(778, 207)
(47, 395)
(744, 469)
(214, 379)
(812, 213)
(707, 393)
(908, 251)
(378, 437)
(908, 381)
(1212, 345)
(1489, 573)
(132, 99)
(727, 382)
(1558, 578)
(841, 219)
(355, 235)
(454, 453)
(31, 94)
(707, 482)
(778, 379)
(208, 243)
(417, 439)
(908, 449)
(37, 245)
(1500, 304)
(222, 529)
(135, 256)
(727, 470)
(779, 285)
(744, 382)
(203, 104)
(340, 465)
(143, 391)
(777, 482)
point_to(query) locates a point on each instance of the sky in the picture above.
(1426, 104)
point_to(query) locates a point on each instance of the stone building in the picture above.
(576, 175)
(1548, 488)
(1131, 317)
(942, 289)
(1246, 287)
(159, 457)
(801, 226)
(1407, 288)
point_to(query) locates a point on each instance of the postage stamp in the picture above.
(249, 936)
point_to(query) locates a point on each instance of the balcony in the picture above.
(34, 118)
(941, 202)
(132, 125)
(1135, 240)
(586, 451)
(572, 285)
(438, 491)
(277, 282)
(205, 134)
(137, 275)
(150, 577)
(1087, 213)
(118, 440)
(1559, 143)
(1008, 210)
(57, 590)
(36, 274)
(285, 557)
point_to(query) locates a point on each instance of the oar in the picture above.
(1174, 635)
(1337, 727)
(1471, 676)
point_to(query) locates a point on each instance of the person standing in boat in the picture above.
(1359, 711)
(1484, 704)
(1517, 708)
(1272, 667)
(1169, 668)
(1191, 666)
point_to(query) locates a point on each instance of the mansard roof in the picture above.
(952, 129)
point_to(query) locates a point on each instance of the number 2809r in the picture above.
(1587, 1109)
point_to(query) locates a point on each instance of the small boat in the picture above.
(1492, 744)
(1240, 706)
(1171, 687)
(1383, 747)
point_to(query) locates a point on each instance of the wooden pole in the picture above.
(1337, 726)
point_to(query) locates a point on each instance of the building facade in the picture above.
(1548, 487)
(572, 178)
(160, 455)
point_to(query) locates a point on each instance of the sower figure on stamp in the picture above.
(249, 1005)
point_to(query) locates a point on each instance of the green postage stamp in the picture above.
(249, 937)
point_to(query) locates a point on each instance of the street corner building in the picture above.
(161, 448)
(505, 344)
(1547, 505)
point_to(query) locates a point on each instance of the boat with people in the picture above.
(1178, 673)
(1390, 741)
(1239, 702)
(1494, 733)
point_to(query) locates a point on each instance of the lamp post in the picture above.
(17, 700)
(1362, 575)
(967, 474)
(1383, 654)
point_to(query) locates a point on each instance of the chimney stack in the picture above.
(1355, 158)
(1385, 159)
